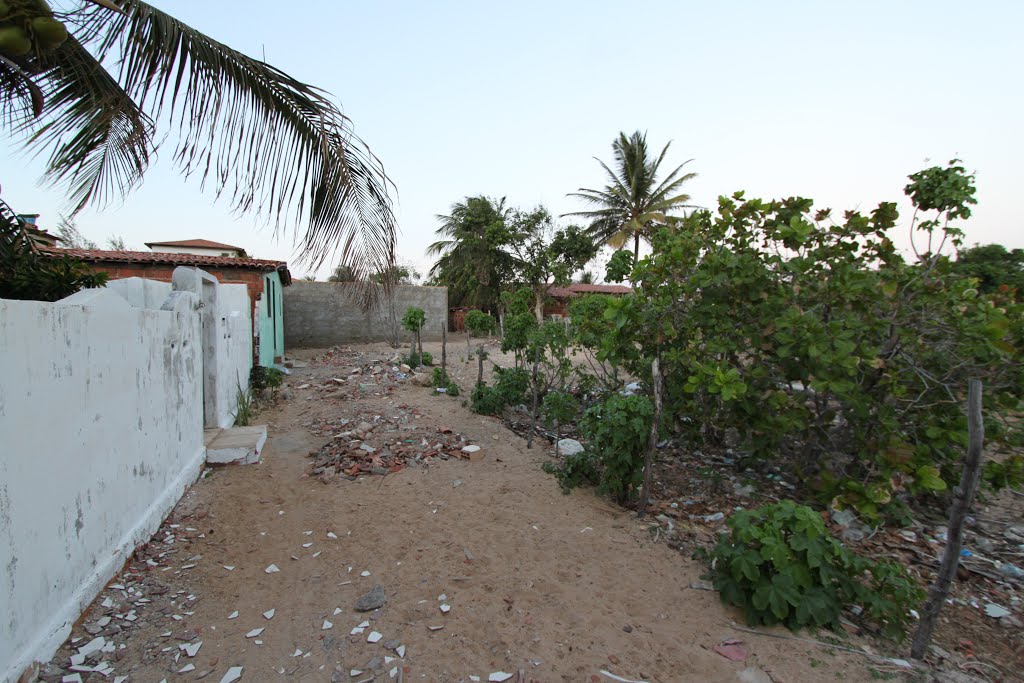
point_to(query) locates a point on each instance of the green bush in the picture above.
(574, 470)
(479, 323)
(616, 431)
(439, 378)
(452, 389)
(780, 565)
(509, 389)
(261, 378)
(415, 359)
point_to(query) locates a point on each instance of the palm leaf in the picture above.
(276, 147)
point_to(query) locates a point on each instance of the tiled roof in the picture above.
(576, 290)
(167, 258)
(199, 244)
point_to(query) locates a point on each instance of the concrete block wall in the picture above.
(320, 314)
(101, 417)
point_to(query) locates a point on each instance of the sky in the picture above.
(835, 101)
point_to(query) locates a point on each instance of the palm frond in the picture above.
(276, 147)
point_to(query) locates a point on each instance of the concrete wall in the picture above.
(320, 314)
(234, 349)
(101, 420)
(140, 292)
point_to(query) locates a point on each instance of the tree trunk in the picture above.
(469, 352)
(963, 496)
(533, 403)
(652, 441)
(444, 346)
(538, 305)
(480, 364)
(636, 247)
(419, 340)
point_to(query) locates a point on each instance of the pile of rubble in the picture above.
(384, 446)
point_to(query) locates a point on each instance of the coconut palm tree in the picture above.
(90, 84)
(634, 202)
(472, 261)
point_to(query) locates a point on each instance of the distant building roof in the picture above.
(197, 244)
(577, 290)
(173, 259)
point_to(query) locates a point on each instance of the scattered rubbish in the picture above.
(446, 608)
(612, 676)
(327, 625)
(233, 615)
(373, 637)
(191, 649)
(269, 614)
(272, 569)
(499, 676)
(732, 649)
(255, 633)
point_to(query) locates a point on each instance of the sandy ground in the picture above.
(560, 587)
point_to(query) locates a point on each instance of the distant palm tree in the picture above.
(472, 262)
(276, 146)
(633, 202)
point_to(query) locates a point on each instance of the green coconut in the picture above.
(49, 32)
(14, 41)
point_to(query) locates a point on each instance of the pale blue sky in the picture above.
(834, 101)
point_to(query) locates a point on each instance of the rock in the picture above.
(364, 427)
(405, 368)
(996, 611)
(391, 644)
(569, 447)
(470, 449)
(753, 675)
(853, 534)
(422, 380)
(627, 628)
(375, 599)
(366, 387)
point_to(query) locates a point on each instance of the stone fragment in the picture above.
(375, 599)
(569, 447)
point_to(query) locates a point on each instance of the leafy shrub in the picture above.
(559, 406)
(261, 378)
(616, 430)
(574, 470)
(509, 389)
(416, 359)
(811, 336)
(414, 319)
(780, 565)
(441, 380)
(27, 274)
(479, 323)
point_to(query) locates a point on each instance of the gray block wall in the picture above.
(318, 314)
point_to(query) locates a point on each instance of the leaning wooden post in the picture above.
(444, 346)
(533, 403)
(652, 440)
(963, 496)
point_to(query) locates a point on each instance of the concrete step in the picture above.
(235, 445)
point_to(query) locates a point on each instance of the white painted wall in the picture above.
(101, 432)
(141, 293)
(200, 251)
(101, 424)
(234, 349)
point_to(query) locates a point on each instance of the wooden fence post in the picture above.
(444, 346)
(652, 441)
(963, 496)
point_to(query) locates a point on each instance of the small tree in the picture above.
(414, 320)
(478, 323)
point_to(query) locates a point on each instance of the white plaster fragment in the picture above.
(233, 615)
(232, 675)
(373, 637)
(191, 649)
(269, 614)
(187, 668)
(255, 632)
(331, 534)
(272, 569)
(327, 625)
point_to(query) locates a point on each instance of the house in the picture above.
(199, 247)
(560, 296)
(263, 279)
